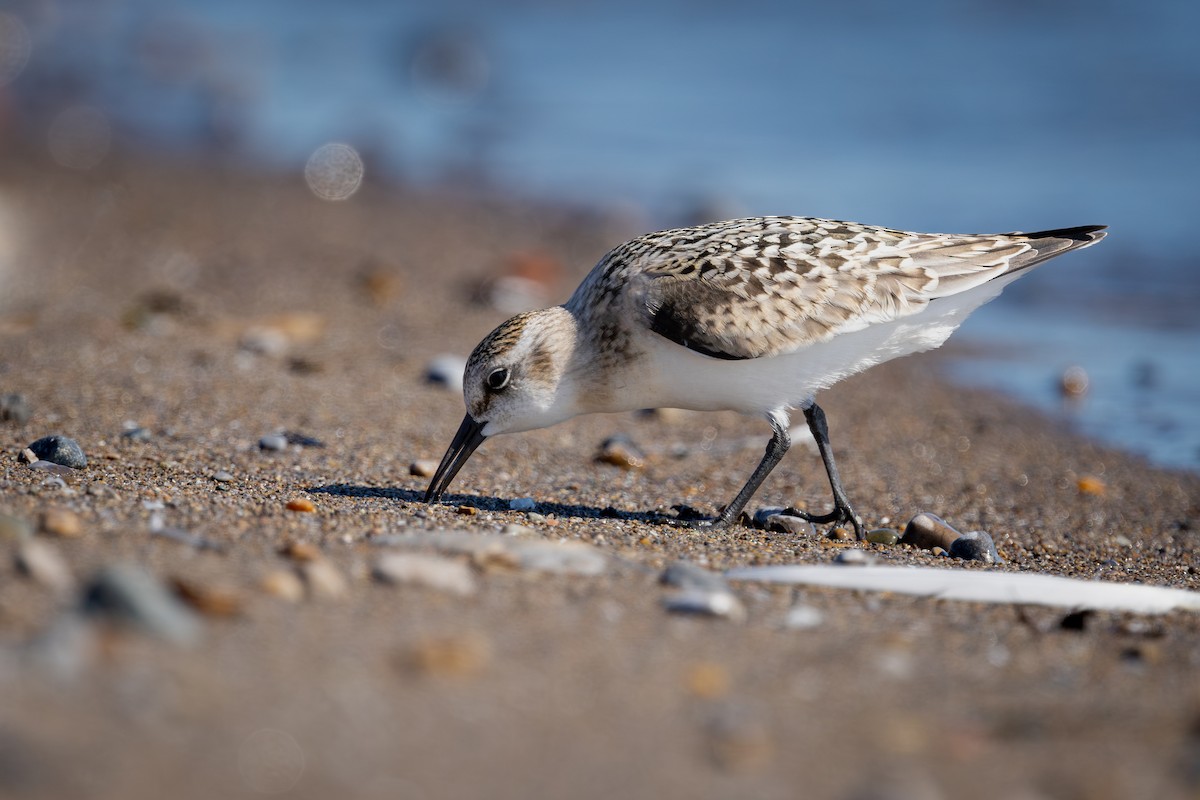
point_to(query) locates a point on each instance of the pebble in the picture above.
(1091, 485)
(285, 584)
(447, 371)
(423, 468)
(620, 451)
(1073, 382)
(130, 596)
(522, 504)
(884, 536)
(300, 551)
(57, 470)
(462, 655)
(60, 522)
(14, 529)
(273, 442)
(566, 558)
(976, 546)
(786, 523)
(433, 572)
(705, 603)
(707, 680)
(301, 439)
(136, 433)
(765, 513)
(221, 476)
(686, 575)
(853, 557)
(802, 618)
(928, 531)
(212, 601)
(42, 562)
(14, 408)
(323, 579)
(60, 450)
(301, 504)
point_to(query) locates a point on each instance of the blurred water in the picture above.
(936, 115)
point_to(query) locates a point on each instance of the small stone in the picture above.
(14, 408)
(14, 529)
(1091, 485)
(937, 551)
(301, 504)
(284, 584)
(212, 601)
(522, 504)
(786, 523)
(447, 371)
(841, 535)
(884, 536)
(28, 456)
(221, 476)
(60, 522)
(130, 596)
(423, 468)
(517, 530)
(323, 579)
(467, 511)
(300, 551)
(686, 575)
(60, 450)
(765, 513)
(136, 433)
(42, 562)
(620, 451)
(301, 439)
(802, 618)
(707, 680)
(273, 442)
(449, 656)
(928, 531)
(57, 470)
(567, 558)
(976, 546)
(705, 603)
(853, 557)
(433, 572)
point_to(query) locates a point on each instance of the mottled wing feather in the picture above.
(765, 286)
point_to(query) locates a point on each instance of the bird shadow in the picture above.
(488, 503)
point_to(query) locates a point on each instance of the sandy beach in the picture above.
(167, 318)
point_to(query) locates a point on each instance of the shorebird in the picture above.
(752, 315)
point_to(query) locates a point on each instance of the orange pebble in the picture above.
(301, 504)
(1089, 484)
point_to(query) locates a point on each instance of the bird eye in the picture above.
(497, 379)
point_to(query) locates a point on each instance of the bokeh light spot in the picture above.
(271, 761)
(334, 171)
(15, 46)
(79, 137)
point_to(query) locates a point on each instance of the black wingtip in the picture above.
(1083, 233)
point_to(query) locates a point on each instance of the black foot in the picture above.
(841, 513)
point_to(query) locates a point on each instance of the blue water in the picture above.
(932, 114)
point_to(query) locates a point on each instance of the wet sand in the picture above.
(212, 308)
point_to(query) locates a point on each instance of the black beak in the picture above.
(469, 436)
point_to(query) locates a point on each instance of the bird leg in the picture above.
(842, 512)
(779, 444)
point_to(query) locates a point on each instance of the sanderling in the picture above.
(751, 315)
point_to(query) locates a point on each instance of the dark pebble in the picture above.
(13, 408)
(60, 450)
(928, 531)
(884, 536)
(976, 546)
(786, 523)
(136, 434)
(301, 439)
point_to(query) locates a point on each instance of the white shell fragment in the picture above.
(982, 587)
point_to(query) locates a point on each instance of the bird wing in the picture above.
(772, 285)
